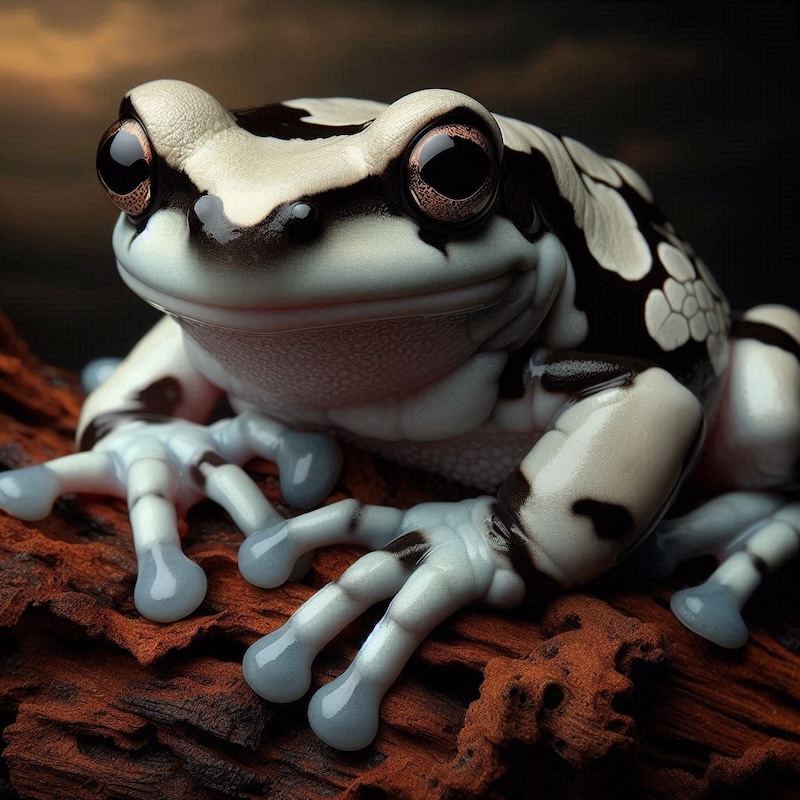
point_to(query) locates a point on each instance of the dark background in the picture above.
(700, 98)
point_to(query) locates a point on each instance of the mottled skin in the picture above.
(453, 289)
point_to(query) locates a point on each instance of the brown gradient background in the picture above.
(700, 98)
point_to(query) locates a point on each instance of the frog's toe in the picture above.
(169, 586)
(267, 559)
(712, 611)
(29, 493)
(345, 714)
(308, 465)
(278, 666)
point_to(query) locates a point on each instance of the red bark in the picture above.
(600, 694)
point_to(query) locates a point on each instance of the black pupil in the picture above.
(455, 167)
(121, 162)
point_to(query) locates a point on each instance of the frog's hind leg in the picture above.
(752, 535)
(754, 444)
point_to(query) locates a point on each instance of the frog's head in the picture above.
(350, 209)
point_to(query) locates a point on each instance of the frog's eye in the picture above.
(125, 166)
(451, 175)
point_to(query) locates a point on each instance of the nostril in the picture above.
(207, 216)
(301, 221)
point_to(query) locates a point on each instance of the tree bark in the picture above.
(600, 694)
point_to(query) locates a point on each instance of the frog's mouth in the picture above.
(476, 297)
(357, 271)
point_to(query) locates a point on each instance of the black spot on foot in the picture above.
(409, 549)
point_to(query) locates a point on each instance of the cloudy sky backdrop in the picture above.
(701, 98)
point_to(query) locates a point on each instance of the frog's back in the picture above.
(644, 291)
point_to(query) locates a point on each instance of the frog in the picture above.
(453, 290)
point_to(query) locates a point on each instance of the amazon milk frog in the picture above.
(457, 291)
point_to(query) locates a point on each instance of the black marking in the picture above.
(210, 459)
(302, 222)
(161, 397)
(765, 333)
(409, 549)
(614, 306)
(155, 403)
(354, 523)
(611, 522)
(506, 537)
(173, 189)
(520, 207)
(578, 373)
(515, 491)
(283, 233)
(570, 373)
(758, 562)
(284, 122)
(103, 424)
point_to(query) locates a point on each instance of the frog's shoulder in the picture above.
(643, 288)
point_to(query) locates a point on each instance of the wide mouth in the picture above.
(263, 318)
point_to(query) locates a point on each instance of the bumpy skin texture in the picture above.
(454, 290)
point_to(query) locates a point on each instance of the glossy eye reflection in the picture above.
(451, 174)
(453, 166)
(125, 167)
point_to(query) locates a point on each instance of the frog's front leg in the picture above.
(141, 443)
(597, 480)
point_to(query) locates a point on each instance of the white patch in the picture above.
(711, 282)
(591, 163)
(253, 175)
(336, 111)
(704, 297)
(675, 262)
(698, 327)
(675, 293)
(612, 233)
(669, 328)
(633, 179)
(687, 306)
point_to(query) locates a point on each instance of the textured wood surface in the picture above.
(598, 695)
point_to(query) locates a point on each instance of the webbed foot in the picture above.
(752, 534)
(435, 559)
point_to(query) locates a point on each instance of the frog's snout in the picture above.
(298, 222)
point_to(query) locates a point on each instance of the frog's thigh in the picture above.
(603, 474)
(755, 442)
